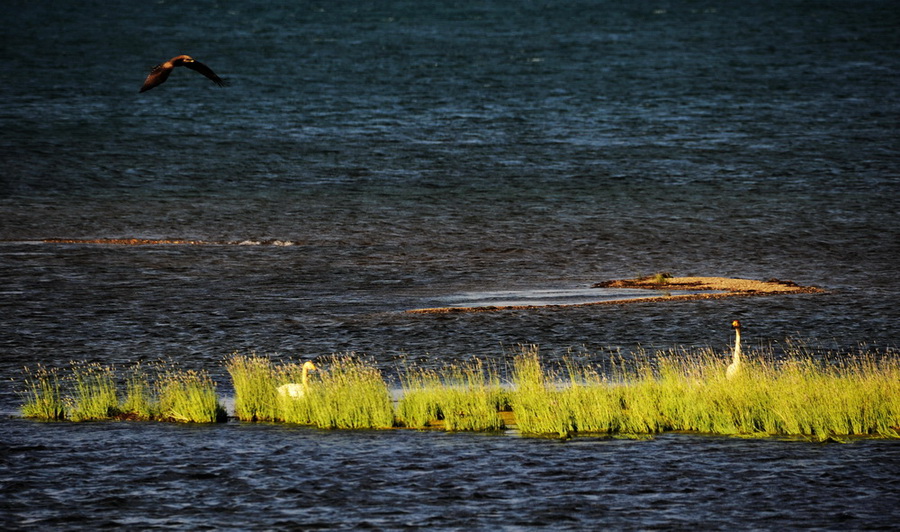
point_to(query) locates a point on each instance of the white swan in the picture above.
(296, 390)
(735, 367)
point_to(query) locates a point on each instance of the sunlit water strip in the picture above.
(557, 297)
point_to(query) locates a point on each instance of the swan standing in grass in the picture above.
(297, 390)
(735, 367)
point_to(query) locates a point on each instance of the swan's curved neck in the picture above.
(305, 376)
(737, 344)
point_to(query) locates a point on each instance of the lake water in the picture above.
(415, 155)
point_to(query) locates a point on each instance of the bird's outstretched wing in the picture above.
(197, 66)
(159, 74)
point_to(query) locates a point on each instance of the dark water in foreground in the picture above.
(414, 155)
(268, 476)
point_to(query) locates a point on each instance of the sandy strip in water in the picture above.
(729, 288)
(123, 241)
(166, 242)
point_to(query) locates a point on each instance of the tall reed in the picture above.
(537, 404)
(189, 396)
(463, 397)
(420, 404)
(42, 398)
(95, 392)
(253, 378)
(141, 402)
(351, 394)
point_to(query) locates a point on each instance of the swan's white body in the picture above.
(735, 367)
(296, 390)
(292, 389)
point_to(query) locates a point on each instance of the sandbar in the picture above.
(167, 242)
(699, 288)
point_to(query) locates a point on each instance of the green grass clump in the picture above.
(420, 404)
(140, 400)
(661, 277)
(92, 392)
(466, 397)
(42, 398)
(592, 404)
(254, 387)
(95, 394)
(189, 396)
(623, 402)
(350, 394)
(688, 391)
(538, 406)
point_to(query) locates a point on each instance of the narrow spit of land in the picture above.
(166, 242)
(729, 287)
(125, 241)
(700, 287)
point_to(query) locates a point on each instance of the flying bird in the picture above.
(735, 367)
(160, 73)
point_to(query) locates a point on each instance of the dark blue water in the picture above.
(412, 154)
(264, 477)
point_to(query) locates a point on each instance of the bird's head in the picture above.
(309, 366)
(735, 324)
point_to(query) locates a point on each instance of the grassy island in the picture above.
(797, 394)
